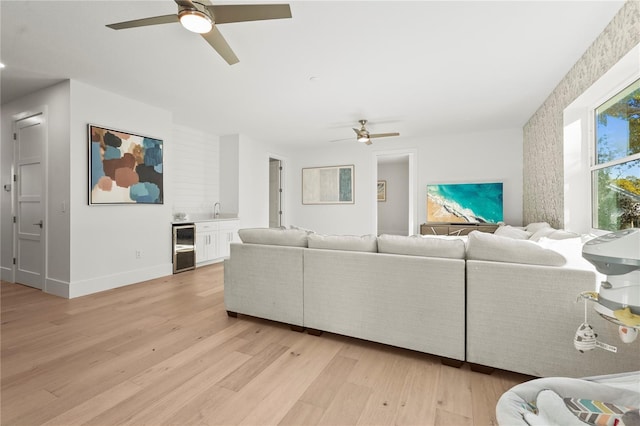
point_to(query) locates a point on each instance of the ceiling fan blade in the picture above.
(368, 142)
(341, 140)
(383, 135)
(357, 131)
(215, 39)
(225, 14)
(184, 3)
(156, 20)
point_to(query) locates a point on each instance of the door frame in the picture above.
(412, 154)
(15, 119)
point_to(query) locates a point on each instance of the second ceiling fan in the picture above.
(201, 17)
(363, 135)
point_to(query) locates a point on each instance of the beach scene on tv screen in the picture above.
(465, 203)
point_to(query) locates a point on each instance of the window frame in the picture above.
(593, 148)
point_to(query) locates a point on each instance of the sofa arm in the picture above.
(265, 281)
(523, 318)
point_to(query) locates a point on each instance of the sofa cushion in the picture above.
(485, 246)
(419, 246)
(344, 242)
(512, 232)
(274, 236)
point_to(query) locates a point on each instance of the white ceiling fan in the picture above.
(364, 136)
(201, 17)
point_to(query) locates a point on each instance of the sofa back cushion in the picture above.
(366, 243)
(274, 236)
(421, 246)
(485, 246)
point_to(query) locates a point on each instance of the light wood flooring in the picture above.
(165, 352)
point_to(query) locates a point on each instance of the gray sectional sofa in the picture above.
(488, 300)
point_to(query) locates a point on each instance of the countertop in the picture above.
(205, 217)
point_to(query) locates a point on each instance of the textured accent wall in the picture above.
(543, 145)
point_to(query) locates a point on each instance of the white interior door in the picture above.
(29, 238)
(275, 193)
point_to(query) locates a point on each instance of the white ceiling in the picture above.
(417, 67)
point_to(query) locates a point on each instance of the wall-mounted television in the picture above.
(465, 202)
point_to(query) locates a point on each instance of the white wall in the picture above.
(489, 156)
(196, 170)
(92, 248)
(56, 101)
(244, 179)
(229, 173)
(354, 219)
(104, 238)
(578, 140)
(393, 214)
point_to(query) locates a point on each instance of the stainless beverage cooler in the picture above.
(184, 247)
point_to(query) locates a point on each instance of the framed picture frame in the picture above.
(473, 202)
(382, 190)
(124, 167)
(328, 185)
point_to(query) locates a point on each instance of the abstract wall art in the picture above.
(124, 168)
(328, 185)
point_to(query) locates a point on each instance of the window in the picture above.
(616, 170)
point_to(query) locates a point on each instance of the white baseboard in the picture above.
(56, 287)
(108, 282)
(6, 274)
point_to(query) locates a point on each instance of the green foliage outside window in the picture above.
(616, 174)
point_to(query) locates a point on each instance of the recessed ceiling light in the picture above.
(1, 65)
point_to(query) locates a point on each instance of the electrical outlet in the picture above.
(138, 254)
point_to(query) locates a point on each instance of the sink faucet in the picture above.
(216, 209)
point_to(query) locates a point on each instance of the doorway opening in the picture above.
(275, 192)
(396, 193)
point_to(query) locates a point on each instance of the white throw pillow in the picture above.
(368, 243)
(416, 246)
(556, 234)
(274, 236)
(561, 234)
(536, 226)
(512, 232)
(542, 233)
(308, 231)
(485, 246)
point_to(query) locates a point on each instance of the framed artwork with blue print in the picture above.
(124, 168)
(328, 185)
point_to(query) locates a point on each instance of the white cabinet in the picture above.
(227, 234)
(213, 239)
(206, 241)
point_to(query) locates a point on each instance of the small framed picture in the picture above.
(382, 190)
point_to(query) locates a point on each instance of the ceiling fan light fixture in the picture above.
(363, 139)
(195, 21)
